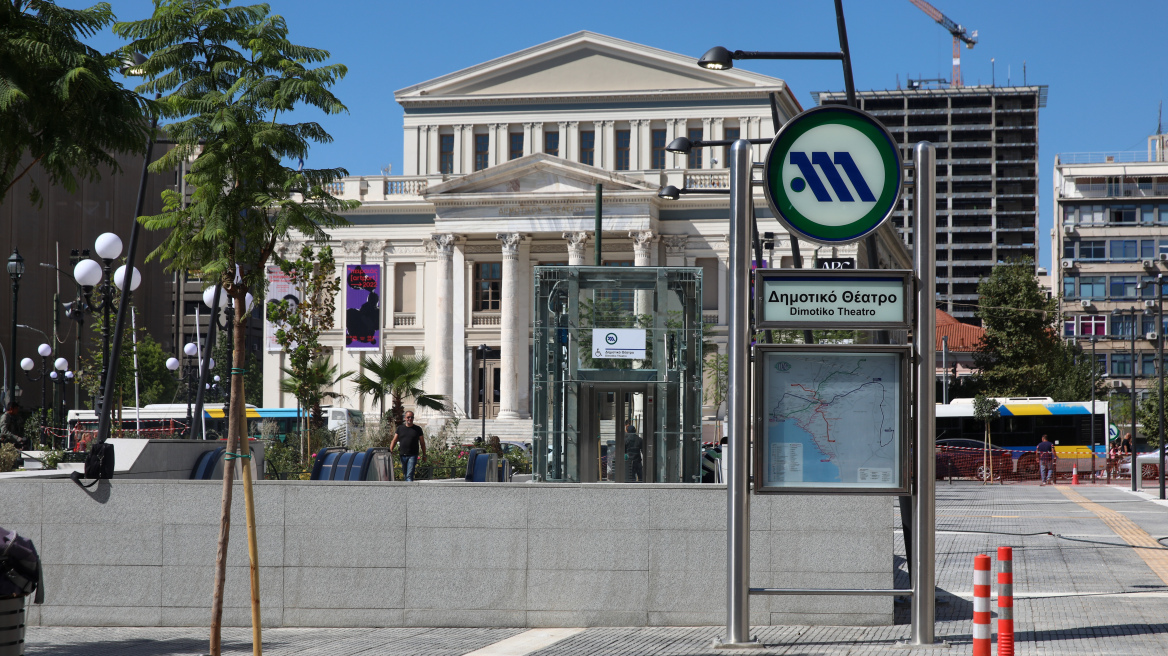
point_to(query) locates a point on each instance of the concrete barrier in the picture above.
(355, 554)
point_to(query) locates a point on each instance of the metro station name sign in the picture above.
(839, 299)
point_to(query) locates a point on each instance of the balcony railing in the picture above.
(404, 319)
(711, 180)
(484, 319)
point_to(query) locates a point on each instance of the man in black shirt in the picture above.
(1046, 460)
(410, 437)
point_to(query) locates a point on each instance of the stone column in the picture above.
(570, 140)
(414, 149)
(459, 147)
(675, 249)
(468, 149)
(443, 359)
(433, 165)
(576, 243)
(493, 146)
(529, 139)
(708, 153)
(598, 147)
(609, 145)
(643, 241)
(510, 329)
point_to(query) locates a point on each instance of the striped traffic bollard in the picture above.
(1006, 601)
(982, 636)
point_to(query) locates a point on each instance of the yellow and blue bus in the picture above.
(1024, 420)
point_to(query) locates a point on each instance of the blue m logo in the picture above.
(826, 164)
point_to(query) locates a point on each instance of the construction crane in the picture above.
(959, 35)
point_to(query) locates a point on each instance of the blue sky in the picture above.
(1105, 64)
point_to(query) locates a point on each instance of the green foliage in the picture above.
(282, 460)
(156, 383)
(52, 458)
(399, 378)
(985, 409)
(253, 380)
(8, 456)
(299, 326)
(227, 75)
(59, 106)
(1021, 353)
(312, 387)
(1148, 416)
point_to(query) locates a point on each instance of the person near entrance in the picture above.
(409, 436)
(8, 426)
(634, 470)
(1045, 461)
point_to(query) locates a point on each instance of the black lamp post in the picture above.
(1133, 313)
(44, 350)
(90, 274)
(482, 349)
(190, 372)
(15, 271)
(1094, 371)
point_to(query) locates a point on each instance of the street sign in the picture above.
(618, 343)
(833, 174)
(835, 263)
(834, 299)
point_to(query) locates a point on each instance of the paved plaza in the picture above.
(1089, 578)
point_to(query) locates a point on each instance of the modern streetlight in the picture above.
(44, 350)
(1136, 475)
(1160, 281)
(15, 271)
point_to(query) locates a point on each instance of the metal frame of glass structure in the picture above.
(568, 383)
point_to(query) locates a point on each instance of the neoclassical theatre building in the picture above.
(501, 163)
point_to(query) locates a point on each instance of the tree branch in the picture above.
(17, 178)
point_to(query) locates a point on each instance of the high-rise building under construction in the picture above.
(987, 176)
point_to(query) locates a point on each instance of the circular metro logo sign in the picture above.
(833, 174)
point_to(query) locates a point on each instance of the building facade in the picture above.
(1109, 243)
(987, 176)
(502, 160)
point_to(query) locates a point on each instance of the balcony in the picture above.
(484, 319)
(404, 320)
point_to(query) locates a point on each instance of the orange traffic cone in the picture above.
(1075, 474)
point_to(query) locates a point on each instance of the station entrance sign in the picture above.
(834, 299)
(833, 174)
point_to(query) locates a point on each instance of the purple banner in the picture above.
(363, 306)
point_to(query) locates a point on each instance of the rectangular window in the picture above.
(1123, 250)
(1091, 215)
(1123, 214)
(482, 145)
(657, 161)
(405, 285)
(1147, 249)
(1069, 249)
(588, 148)
(1147, 214)
(1147, 324)
(1148, 364)
(446, 153)
(1093, 324)
(1068, 215)
(1121, 364)
(1114, 187)
(488, 286)
(1164, 247)
(695, 154)
(1093, 250)
(1123, 287)
(1149, 290)
(730, 134)
(1163, 214)
(1093, 287)
(1068, 286)
(551, 143)
(623, 141)
(515, 141)
(1122, 325)
(1069, 328)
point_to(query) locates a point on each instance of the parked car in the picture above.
(964, 458)
(1149, 465)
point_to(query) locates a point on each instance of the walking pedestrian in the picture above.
(1046, 460)
(409, 437)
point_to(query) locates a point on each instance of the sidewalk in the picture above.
(1083, 590)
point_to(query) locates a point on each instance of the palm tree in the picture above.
(313, 388)
(399, 378)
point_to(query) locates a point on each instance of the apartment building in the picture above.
(1109, 243)
(987, 177)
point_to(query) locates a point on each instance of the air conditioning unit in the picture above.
(1115, 384)
(1068, 230)
(1068, 264)
(1151, 337)
(1164, 257)
(1148, 264)
(1150, 304)
(1085, 302)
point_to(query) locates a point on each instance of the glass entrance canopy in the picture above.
(617, 381)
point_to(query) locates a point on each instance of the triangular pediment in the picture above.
(585, 63)
(538, 173)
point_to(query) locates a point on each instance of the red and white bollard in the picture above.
(982, 635)
(1074, 473)
(1005, 601)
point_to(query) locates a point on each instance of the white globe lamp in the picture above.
(108, 246)
(87, 273)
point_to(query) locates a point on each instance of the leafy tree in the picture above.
(1021, 353)
(299, 325)
(228, 74)
(314, 384)
(399, 378)
(986, 410)
(253, 380)
(1148, 416)
(59, 106)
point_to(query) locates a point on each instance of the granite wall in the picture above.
(141, 553)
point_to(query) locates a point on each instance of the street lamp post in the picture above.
(1094, 371)
(1159, 282)
(44, 350)
(190, 370)
(15, 271)
(90, 274)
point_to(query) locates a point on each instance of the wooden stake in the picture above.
(221, 553)
(239, 419)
